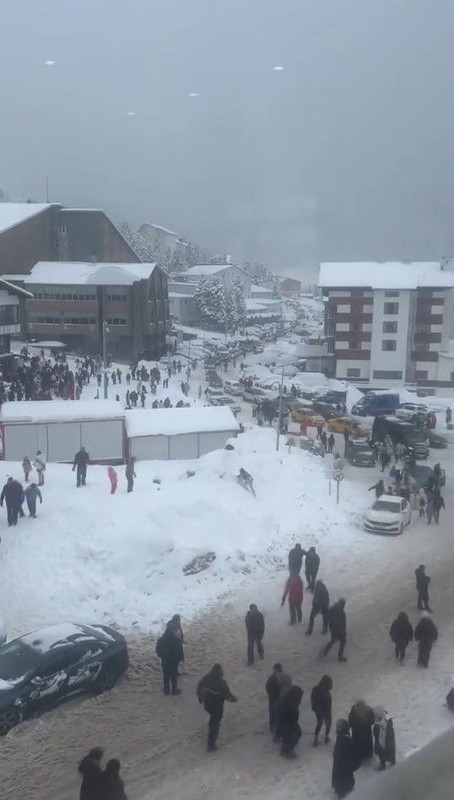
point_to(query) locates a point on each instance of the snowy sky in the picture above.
(173, 111)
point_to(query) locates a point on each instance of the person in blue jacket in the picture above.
(32, 493)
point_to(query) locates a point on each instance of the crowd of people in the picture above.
(366, 732)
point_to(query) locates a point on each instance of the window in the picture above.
(391, 308)
(388, 344)
(116, 321)
(390, 327)
(118, 298)
(355, 345)
(423, 374)
(80, 321)
(356, 326)
(45, 320)
(353, 372)
(391, 294)
(389, 374)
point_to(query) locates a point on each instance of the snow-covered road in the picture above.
(161, 740)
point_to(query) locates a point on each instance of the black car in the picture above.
(360, 453)
(44, 668)
(423, 476)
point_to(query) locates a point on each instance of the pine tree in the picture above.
(211, 301)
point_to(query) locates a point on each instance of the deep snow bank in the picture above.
(91, 556)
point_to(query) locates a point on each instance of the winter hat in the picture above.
(252, 607)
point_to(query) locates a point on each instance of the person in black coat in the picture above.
(170, 650)
(92, 786)
(81, 461)
(289, 730)
(274, 685)
(213, 691)
(13, 495)
(320, 605)
(113, 787)
(337, 623)
(379, 488)
(255, 627)
(401, 633)
(32, 494)
(311, 567)
(345, 761)
(426, 635)
(321, 703)
(422, 588)
(384, 738)
(295, 559)
(361, 720)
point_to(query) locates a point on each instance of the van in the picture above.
(373, 404)
(401, 432)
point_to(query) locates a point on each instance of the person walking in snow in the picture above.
(13, 495)
(113, 479)
(246, 480)
(361, 720)
(426, 635)
(320, 605)
(345, 760)
(130, 473)
(295, 559)
(337, 623)
(438, 503)
(311, 567)
(321, 703)
(294, 590)
(213, 691)
(112, 785)
(288, 707)
(331, 443)
(92, 787)
(401, 634)
(379, 488)
(384, 738)
(32, 494)
(422, 588)
(40, 466)
(255, 627)
(175, 624)
(27, 467)
(274, 685)
(170, 650)
(81, 461)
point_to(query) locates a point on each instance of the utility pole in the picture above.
(281, 389)
(105, 331)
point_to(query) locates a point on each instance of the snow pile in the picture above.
(92, 557)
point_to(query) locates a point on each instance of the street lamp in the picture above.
(105, 331)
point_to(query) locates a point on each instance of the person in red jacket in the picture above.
(113, 478)
(294, 590)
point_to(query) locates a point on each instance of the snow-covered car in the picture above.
(254, 395)
(307, 415)
(360, 453)
(233, 387)
(408, 411)
(214, 391)
(46, 667)
(225, 400)
(388, 515)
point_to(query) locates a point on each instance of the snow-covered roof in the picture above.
(13, 289)
(385, 275)
(255, 289)
(12, 214)
(174, 421)
(205, 270)
(81, 272)
(160, 228)
(179, 294)
(254, 305)
(60, 410)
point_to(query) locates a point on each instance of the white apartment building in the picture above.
(391, 323)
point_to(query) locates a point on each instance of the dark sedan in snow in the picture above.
(44, 668)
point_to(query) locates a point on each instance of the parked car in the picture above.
(342, 424)
(374, 403)
(414, 439)
(254, 395)
(308, 416)
(327, 410)
(225, 400)
(44, 668)
(389, 515)
(435, 440)
(409, 411)
(233, 387)
(214, 391)
(360, 453)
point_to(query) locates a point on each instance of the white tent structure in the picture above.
(173, 433)
(59, 427)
